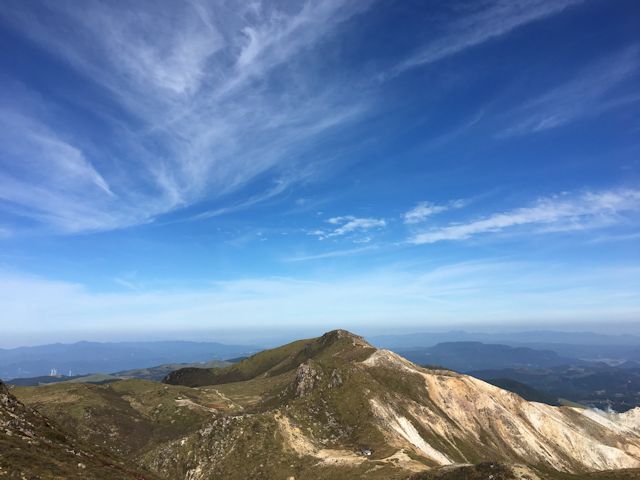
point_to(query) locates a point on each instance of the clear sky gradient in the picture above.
(198, 166)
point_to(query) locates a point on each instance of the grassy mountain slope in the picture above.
(270, 363)
(344, 395)
(126, 416)
(31, 446)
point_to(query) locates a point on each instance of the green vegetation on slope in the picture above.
(33, 447)
(270, 363)
(126, 416)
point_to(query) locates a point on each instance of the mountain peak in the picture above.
(334, 347)
(339, 334)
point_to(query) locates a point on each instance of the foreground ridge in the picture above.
(32, 446)
(335, 407)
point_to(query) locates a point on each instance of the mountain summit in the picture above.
(338, 345)
(335, 407)
(331, 397)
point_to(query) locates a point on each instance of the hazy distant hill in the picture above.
(592, 385)
(612, 349)
(90, 357)
(150, 373)
(466, 356)
(426, 339)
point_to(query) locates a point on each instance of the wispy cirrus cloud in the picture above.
(424, 210)
(552, 214)
(50, 180)
(349, 224)
(481, 22)
(331, 254)
(591, 92)
(204, 116)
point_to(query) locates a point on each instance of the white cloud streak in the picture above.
(197, 78)
(552, 214)
(424, 210)
(588, 94)
(348, 225)
(487, 20)
(332, 254)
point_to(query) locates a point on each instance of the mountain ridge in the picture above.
(334, 407)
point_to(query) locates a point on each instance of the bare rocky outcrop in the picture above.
(307, 377)
(335, 380)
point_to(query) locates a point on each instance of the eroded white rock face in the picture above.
(459, 408)
(403, 427)
(625, 423)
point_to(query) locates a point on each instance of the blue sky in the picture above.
(209, 166)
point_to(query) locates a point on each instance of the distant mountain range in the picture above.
(599, 386)
(467, 356)
(426, 339)
(612, 349)
(83, 358)
(156, 373)
(329, 408)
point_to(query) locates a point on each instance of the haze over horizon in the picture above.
(286, 166)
